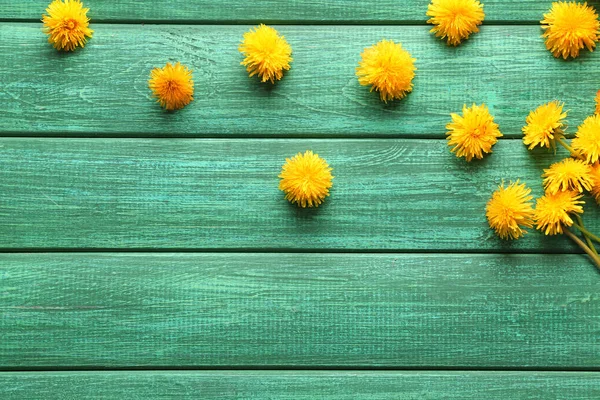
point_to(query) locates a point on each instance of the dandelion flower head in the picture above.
(510, 209)
(388, 69)
(545, 125)
(267, 54)
(473, 133)
(305, 179)
(172, 86)
(67, 24)
(455, 20)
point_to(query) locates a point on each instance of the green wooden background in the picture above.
(146, 254)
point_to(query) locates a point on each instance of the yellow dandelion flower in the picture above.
(266, 53)
(305, 179)
(67, 24)
(544, 125)
(455, 19)
(595, 172)
(172, 86)
(568, 174)
(597, 101)
(388, 69)
(473, 133)
(552, 211)
(587, 139)
(569, 27)
(510, 209)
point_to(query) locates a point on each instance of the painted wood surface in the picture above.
(102, 89)
(301, 385)
(223, 194)
(298, 11)
(241, 310)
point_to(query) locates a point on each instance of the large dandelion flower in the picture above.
(569, 27)
(388, 69)
(67, 24)
(474, 133)
(587, 139)
(455, 20)
(510, 209)
(172, 86)
(552, 211)
(544, 125)
(267, 54)
(568, 174)
(305, 179)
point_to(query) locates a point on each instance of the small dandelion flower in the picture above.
(474, 133)
(552, 211)
(595, 172)
(586, 142)
(510, 209)
(388, 69)
(172, 86)
(67, 24)
(568, 174)
(305, 179)
(569, 27)
(267, 54)
(545, 125)
(455, 20)
(597, 101)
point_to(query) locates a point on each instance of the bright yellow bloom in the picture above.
(67, 24)
(305, 179)
(266, 53)
(455, 19)
(568, 174)
(596, 179)
(388, 69)
(597, 100)
(587, 139)
(473, 133)
(172, 86)
(510, 209)
(552, 211)
(569, 27)
(544, 125)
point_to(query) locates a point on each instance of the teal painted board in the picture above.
(242, 310)
(223, 194)
(299, 11)
(300, 385)
(102, 89)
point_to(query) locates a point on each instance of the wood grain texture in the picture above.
(300, 11)
(223, 194)
(301, 385)
(107, 310)
(102, 89)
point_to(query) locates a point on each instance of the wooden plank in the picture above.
(298, 385)
(223, 194)
(107, 310)
(298, 11)
(102, 90)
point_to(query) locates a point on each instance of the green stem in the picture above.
(583, 246)
(565, 145)
(587, 238)
(586, 232)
